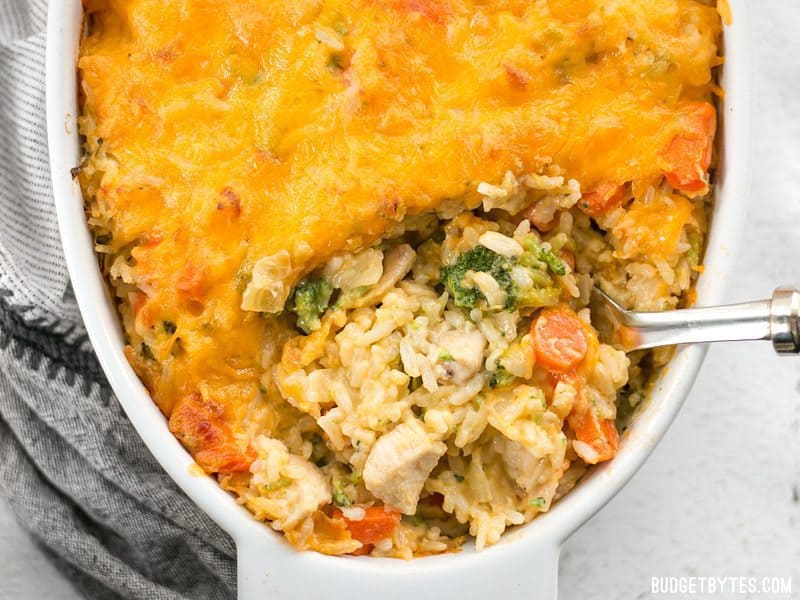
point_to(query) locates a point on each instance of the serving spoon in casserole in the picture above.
(776, 319)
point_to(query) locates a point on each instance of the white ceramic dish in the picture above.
(525, 563)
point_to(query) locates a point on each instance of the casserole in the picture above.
(443, 575)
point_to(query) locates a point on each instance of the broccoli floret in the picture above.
(549, 259)
(146, 352)
(500, 378)
(415, 520)
(543, 292)
(539, 502)
(480, 258)
(693, 255)
(310, 301)
(281, 483)
(540, 262)
(340, 497)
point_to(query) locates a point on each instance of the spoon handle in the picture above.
(785, 321)
(777, 320)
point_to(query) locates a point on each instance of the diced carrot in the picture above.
(378, 524)
(518, 78)
(435, 10)
(688, 155)
(141, 309)
(139, 300)
(600, 435)
(602, 199)
(538, 222)
(230, 202)
(559, 339)
(202, 429)
(568, 257)
(152, 241)
(363, 551)
(192, 283)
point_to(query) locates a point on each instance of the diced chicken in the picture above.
(461, 354)
(309, 490)
(291, 488)
(399, 464)
(526, 469)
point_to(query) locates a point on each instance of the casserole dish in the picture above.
(269, 566)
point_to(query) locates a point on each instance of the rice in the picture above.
(463, 378)
(395, 350)
(375, 356)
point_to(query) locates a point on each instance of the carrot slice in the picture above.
(688, 155)
(598, 438)
(363, 551)
(378, 524)
(559, 339)
(602, 199)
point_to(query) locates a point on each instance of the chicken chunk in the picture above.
(400, 463)
(462, 353)
(309, 491)
(290, 488)
(526, 469)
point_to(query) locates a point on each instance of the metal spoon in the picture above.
(777, 320)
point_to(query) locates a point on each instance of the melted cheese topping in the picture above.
(224, 131)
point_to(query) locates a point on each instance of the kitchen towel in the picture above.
(73, 469)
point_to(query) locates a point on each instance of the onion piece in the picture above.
(396, 265)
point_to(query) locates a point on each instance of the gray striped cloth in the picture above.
(71, 466)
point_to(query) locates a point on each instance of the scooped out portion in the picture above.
(449, 382)
(353, 242)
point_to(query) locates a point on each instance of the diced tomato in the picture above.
(378, 524)
(559, 339)
(688, 155)
(602, 199)
(202, 429)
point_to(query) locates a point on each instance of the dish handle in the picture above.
(269, 569)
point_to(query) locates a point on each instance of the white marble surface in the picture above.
(716, 498)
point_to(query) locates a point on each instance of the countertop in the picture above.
(719, 496)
